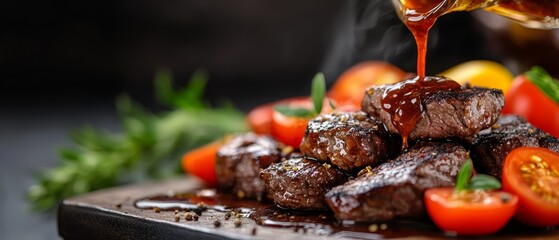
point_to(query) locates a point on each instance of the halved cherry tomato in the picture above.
(470, 212)
(526, 99)
(533, 174)
(200, 162)
(350, 87)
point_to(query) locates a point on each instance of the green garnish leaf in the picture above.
(549, 86)
(484, 182)
(190, 98)
(318, 91)
(464, 175)
(294, 112)
(477, 182)
(164, 87)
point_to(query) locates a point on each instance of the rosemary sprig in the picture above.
(150, 145)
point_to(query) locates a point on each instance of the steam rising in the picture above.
(371, 30)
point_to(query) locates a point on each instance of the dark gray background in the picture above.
(63, 63)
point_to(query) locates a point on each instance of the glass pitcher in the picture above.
(530, 13)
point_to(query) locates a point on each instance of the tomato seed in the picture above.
(536, 158)
(532, 166)
(541, 177)
(525, 169)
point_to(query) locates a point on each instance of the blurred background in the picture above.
(62, 64)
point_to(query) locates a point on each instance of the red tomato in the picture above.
(533, 174)
(200, 162)
(526, 99)
(291, 130)
(351, 85)
(470, 212)
(260, 117)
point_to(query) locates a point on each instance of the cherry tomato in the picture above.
(200, 162)
(260, 117)
(526, 99)
(470, 212)
(291, 130)
(533, 174)
(350, 87)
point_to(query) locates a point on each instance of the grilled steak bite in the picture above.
(395, 188)
(300, 183)
(349, 140)
(491, 146)
(460, 113)
(239, 162)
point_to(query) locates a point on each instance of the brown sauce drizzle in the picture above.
(404, 100)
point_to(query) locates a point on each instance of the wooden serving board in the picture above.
(111, 214)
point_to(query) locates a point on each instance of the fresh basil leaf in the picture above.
(484, 182)
(464, 175)
(294, 112)
(549, 86)
(318, 91)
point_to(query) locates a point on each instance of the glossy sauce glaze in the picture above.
(307, 222)
(404, 101)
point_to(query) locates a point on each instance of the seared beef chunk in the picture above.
(395, 188)
(301, 183)
(461, 113)
(349, 140)
(491, 146)
(239, 162)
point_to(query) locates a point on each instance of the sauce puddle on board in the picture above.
(266, 214)
(322, 223)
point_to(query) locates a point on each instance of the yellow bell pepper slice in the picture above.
(481, 73)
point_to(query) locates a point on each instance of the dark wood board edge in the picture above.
(83, 222)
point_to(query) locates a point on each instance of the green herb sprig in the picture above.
(150, 145)
(318, 91)
(465, 181)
